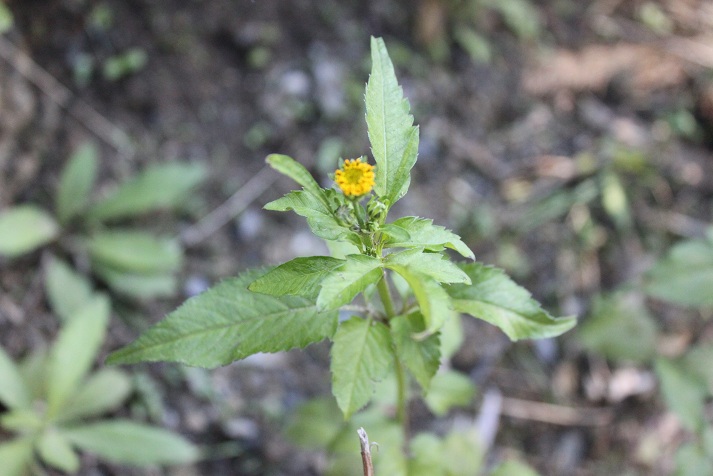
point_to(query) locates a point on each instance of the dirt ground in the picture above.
(507, 123)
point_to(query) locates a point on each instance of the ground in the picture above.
(524, 114)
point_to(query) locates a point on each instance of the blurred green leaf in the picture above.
(137, 285)
(614, 323)
(683, 392)
(22, 420)
(24, 228)
(449, 389)
(135, 251)
(74, 352)
(13, 392)
(16, 456)
(495, 298)
(228, 323)
(691, 460)
(451, 336)
(698, 362)
(33, 369)
(124, 441)
(6, 18)
(685, 275)
(102, 392)
(67, 290)
(520, 15)
(159, 187)
(477, 46)
(56, 451)
(76, 182)
(361, 354)
(513, 468)
(125, 64)
(614, 199)
(421, 357)
(316, 423)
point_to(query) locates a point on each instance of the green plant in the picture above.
(297, 303)
(683, 277)
(130, 261)
(52, 400)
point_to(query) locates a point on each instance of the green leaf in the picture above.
(691, 460)
(316, 423)
(123, 441)
(683, 392)
(33, 369)
(228, 322)
(435, 265)
(76, 182)
(6, 18)
(495, 298)
(136, 285)
(424, 234)
(55, 450)
(135, 251)
(513, 468)
(103, 392)
(13, 392)
(685, 275)
(320, 217)
(698, 362)
(22, 420)
(361, 353)
(299, 277)
(16, 456)
(451, 336)
(449, 389)
(290, 167)
(24, 228)
(74, 352)
(433, 301)
(67, 290)
(344, 283)
(159, 187)
(617, 321)
(394, 139)
(421, 357)
(427, 460)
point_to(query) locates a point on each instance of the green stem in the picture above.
(401, 379)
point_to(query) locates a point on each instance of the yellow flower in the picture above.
(355, 178)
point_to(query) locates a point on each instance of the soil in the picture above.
(509, 149)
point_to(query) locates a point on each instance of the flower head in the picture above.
(355, 178)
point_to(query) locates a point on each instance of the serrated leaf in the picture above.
(394, 139)
(495, 298)
(159, 187)
(290, 167)
(228, 322)
(299, 277)
(135, 251)
(13, 391)
(136, 285)
(16, 456)
(424, 234)
(76, 182)
(435, 265)
(433, 301)
(67, 290)
(55, 450)
(25, 228)
(421, 357)
(361, 353)
(449, 389)
(102, 392)
(685, 275)
(683, 392)
(74, 352)
(320, 218)
(395, 233)
(124, 441)
(617, 321)
(344, 283)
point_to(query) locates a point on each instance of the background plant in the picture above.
(132, 262)
(52, 401)
(297, 303)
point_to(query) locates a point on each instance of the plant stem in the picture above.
(401, 379)
(385, 295)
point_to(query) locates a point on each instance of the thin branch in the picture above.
(229, 209)
(556, 414)
(365, 452)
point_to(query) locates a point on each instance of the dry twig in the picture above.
(365, 452)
